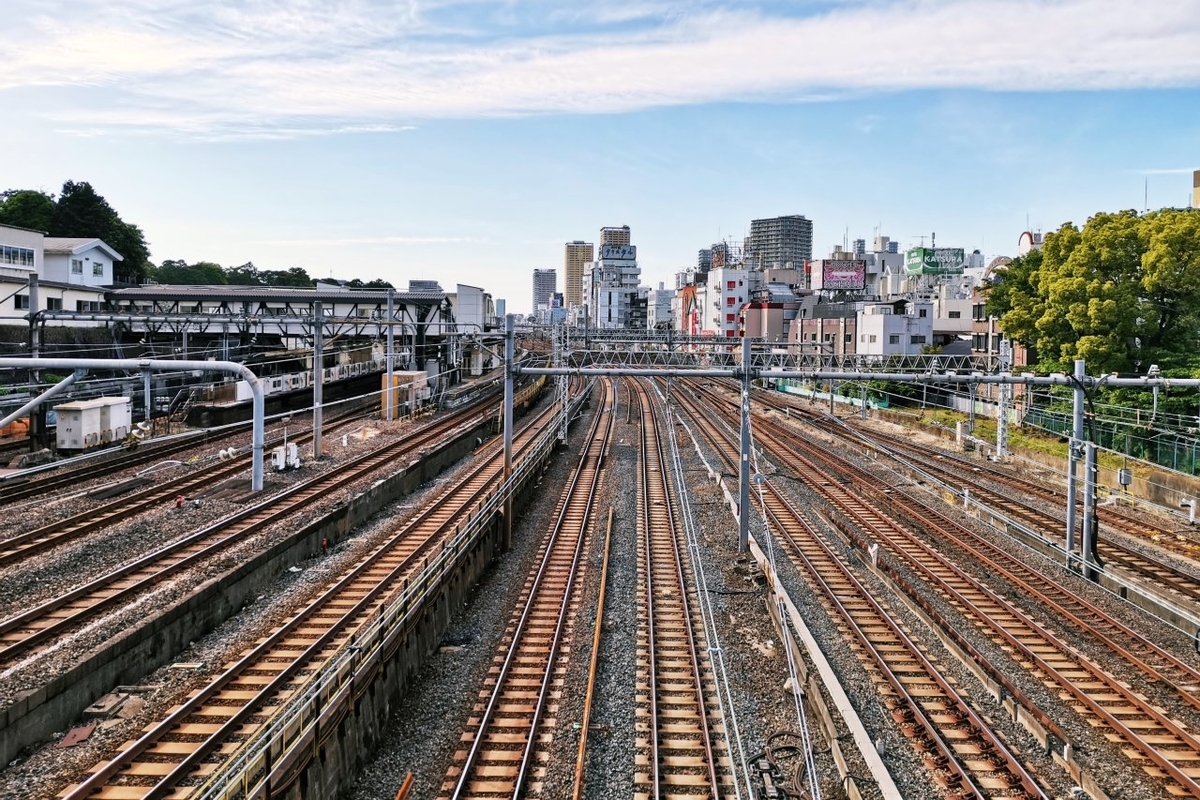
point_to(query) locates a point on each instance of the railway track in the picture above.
(179, 752)
(510, 733)
(17, 548)
(23, 632)
(964, 756)
(1161, 746)
(952, 471)
(680, 739)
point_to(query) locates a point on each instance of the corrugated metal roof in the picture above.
(270, 293)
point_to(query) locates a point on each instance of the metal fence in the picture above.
(1175, 450)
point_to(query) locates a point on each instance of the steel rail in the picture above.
(570, 528)
(414, 539)
(658, 520)
(956, 584)
(23, 631)
(593, 667)
(777, 507)
(23, 545)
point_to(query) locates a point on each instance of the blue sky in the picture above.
(466, 141)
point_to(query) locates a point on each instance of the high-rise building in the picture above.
(779, 242)
(612, 237)
(544, 283)
(577, 256)
(611, 284)
(1196, 189)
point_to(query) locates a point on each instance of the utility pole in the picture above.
(318, 375)
(1005, 400)
(508, 427)
(389, 403)
(744, 471)
(1075, 453)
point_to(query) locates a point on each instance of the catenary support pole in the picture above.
(389, 403)
(318, 376)
(1088, 542)
(43, 397)
(744, 471)
(146, 394)
(508, 427)
(1073, 453)
(167, 365)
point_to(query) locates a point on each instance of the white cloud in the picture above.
(252, 70)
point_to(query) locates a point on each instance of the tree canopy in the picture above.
(79, 212)
(178, 272)
(26, 208)
(1123, 291)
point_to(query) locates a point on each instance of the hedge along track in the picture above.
(1159, 571)
(23, 545)
(680, 736)
(509, 735)
(1158, 744)
(177, 753)
(20, 634)
(963, 755)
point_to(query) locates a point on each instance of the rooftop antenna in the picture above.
(933, 240)
(1146, 195)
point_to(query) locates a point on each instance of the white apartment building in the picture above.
(611, 285)
(25, 253)
(659, 307)
(729, 288)
(903, 327)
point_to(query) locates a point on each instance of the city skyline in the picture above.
(468, 141)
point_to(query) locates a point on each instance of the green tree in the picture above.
(26, 208)
(1122, 290)
(296, 276)
(81, 212)
(181, 273)
(244, 275)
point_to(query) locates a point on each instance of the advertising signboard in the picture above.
(843, 275)
(622, 252)
(934, 261)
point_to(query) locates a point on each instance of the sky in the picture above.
(466, 140)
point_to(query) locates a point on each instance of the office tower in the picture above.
(545, 281)
(1196, 189)
(576, 258)
(779, 242)
(614, 236)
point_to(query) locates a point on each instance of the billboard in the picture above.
(934, 261)
(622, 252)
(843, 275)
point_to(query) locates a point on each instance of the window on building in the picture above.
(955, 314)
(98, 269)
(977, 312)
(76, 266)
(812, 337)
(730, 284)
(54, 304)
(862, 337)
(894, 338)
(729, 317)
(874, 337)
(18, 256)
(995, 342)
(827, 337)
(729, 301)
(917, 339)
(21, 301)
(848, 338)
(922, 312)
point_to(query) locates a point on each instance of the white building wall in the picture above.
(90, 267)
(881, 332)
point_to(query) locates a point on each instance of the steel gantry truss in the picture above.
(621, 353)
